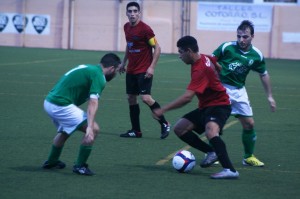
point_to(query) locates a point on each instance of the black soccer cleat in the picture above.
(57, 165)
(82, 170)
(165, 130)
(131, 134)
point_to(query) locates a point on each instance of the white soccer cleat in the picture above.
(225, 174)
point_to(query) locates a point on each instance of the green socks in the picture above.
(54, 154)
(84, 153)
(249, 139)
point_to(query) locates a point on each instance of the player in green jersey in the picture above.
(81, 84)
(236, 59)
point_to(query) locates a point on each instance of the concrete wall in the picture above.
(57, 9)
(98, 25)
(286, 20)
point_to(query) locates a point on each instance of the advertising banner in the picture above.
(27, 24)
(227, 17)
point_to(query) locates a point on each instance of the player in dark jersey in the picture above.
(83, 83)
(142, 60)
(213, 107)
(236, 59)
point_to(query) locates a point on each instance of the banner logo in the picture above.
(39, 23)
(3, 22)
(20, 22)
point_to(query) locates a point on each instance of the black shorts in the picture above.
(200, 117)
(137, 84)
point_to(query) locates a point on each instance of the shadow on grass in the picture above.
(146, 136)
(37, 169)
(169, 170)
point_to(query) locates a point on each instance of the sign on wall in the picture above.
(227, 17)
(28, 23)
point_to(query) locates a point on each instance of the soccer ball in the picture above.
(184, 161)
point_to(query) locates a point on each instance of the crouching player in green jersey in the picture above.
(82, 83)
(236, 59)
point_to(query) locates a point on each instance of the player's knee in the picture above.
(212, 130)
(178, 130)
(147, 99)
(132, 99)
(248, 125)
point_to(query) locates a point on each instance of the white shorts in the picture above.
(66, 118)
(239, 100)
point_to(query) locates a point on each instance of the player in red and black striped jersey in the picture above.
(212, 112)
(142, 54)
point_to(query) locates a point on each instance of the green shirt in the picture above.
(236, 64)
(76, 86)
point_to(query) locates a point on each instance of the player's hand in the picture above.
(89, 136)
(272, 104)
(121, 69)
(149, 73)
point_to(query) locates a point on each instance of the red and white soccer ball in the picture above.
(184, 161)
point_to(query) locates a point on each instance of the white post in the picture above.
(71, 24)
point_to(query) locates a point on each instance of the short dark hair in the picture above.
(187, 42)
(133, 3)
(246, 24)
(110, 59)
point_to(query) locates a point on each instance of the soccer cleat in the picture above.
(131, 134)
(253, 161)
(209, 159)
(225, 174)
(165, 130)
(57, 165)
(82, 170)
(216, 163)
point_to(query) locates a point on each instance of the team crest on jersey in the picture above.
(251, 61)
(207, 63)
(129, 44)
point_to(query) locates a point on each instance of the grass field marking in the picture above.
(62, 59)
(230, 124)
(170, 156)
(34, 62)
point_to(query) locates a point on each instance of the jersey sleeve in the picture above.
(260, 67)
(218, 52)
(97, 84)
(259, 64)
(149, 34)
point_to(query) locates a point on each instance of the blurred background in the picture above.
(98, 24)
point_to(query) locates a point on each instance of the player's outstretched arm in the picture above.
(177, 103)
